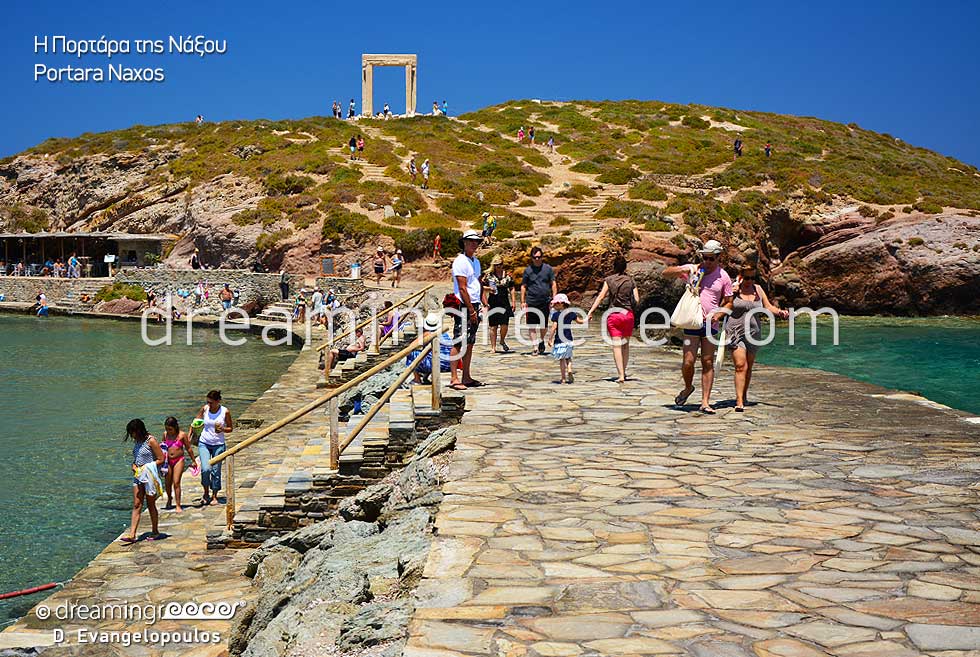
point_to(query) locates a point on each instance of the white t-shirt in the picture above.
(470, 268)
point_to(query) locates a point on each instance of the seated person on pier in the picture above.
(351, 350)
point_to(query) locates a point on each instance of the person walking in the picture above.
(425, 174)
(284, 284)
(360, 147)
(768, 150)
(437, 247)
(445, 108)
(500, 302)
(412, 170)
(387, 112)
(538, 287)
(319, 313)
(551, 143)
(352, 145)
(737, 147)
(74, 266)
(743, 330)
(397, 262)
(530, 135)
(177, 445)
(380, 265)
(520, 135)
(351, 109)
(560, 337)
(147, 487)
(716, 292)
(624, 299)
(217, 424)
(468, 292)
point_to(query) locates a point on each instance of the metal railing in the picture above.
(373, 318)
(423, 342)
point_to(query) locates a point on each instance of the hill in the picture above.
(837, 214)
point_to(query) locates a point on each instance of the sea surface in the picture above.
(67, 389)
(936, 357)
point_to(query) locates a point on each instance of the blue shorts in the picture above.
(701, 332)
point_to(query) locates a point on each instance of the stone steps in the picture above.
(71, 302)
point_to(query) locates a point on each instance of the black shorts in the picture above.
(499, 315)
(343, 354)
(378, 269)
(471, 326)
(539, 318)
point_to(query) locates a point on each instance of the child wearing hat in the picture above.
(560, 335)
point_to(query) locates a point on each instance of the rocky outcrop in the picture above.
(345, 583)
(913, 265)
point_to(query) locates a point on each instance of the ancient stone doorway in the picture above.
(368, 62)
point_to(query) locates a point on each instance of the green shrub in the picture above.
(885, 216)
(866, 211)
(577, 191)
(432, 220)
(928, 207)
(679, 241)
(256, 216)
(585, 167)
(409, 200)
(462, 207)
(340, 223)
(536, 159)
(648, 191)
(267, 241)
(506, 220)
(618, 175)
(503, 234)
(657, 225)
(120, 290)
(285, 185)
(29, 220)
(304, 218)
(624, 210)
(695, 122)
(907, 209)
(622, 236)
(418, 243)
(526, 203)
(961, 245)
(916, 241)
(396, 221)
(560, 221)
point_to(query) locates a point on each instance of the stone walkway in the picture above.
(832, 518)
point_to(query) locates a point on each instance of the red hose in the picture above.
(14, 594)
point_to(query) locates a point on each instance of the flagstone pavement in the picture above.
(831, 518)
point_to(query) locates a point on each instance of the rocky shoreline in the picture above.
(346, 583)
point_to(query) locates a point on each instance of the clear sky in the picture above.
(905, 68)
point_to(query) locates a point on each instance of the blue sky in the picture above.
(906, 68)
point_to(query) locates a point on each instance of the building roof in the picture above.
(145, 237)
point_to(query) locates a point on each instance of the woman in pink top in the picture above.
(715, 287)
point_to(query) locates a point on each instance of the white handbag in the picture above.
(688, 314)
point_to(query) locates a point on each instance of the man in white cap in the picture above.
(468, 291)
(715, 287)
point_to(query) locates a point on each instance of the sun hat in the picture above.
(381, 249)
(472, 235)
(398, 251)
(432, 322)
(561, 297)
(711, 246)
(497, 260)
(486, 214)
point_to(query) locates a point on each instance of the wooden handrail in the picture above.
(383, 399)
(372, 318)
(320, 401)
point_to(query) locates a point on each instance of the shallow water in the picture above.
(67, 389)
(936, 357)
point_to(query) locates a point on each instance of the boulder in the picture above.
(367, 504)
(418, 479)
(375, 623)
(390, 212)
(438, 441)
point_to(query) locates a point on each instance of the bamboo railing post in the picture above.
(334, 412)
(332, 341)
(436, 375)
(230, 492)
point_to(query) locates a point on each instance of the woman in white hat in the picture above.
(397, 261)
(716, 291)
(380, 265)
(500, 300)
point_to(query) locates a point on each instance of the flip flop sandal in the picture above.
(681, 399)
(739, 409)
(707, 410)
(127, 540)
(457, 386)
(473, 384)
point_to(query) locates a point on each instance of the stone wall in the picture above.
(25, 288)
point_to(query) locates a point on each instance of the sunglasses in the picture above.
(709, 258)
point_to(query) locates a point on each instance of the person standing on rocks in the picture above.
(147, 487)
(538, 287)
(351, 109)
(196, 259)
(387, 112)
(445, 108)
(468, 292)
(624, 299)
(217, 423)
(748, 296)
(715, 287)
(226, 296)
(500, 301)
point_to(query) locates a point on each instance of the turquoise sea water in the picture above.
(67, 389)
(936, 357)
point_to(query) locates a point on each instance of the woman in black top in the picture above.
(500, 299)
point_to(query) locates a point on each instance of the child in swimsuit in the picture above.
(177, 445)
